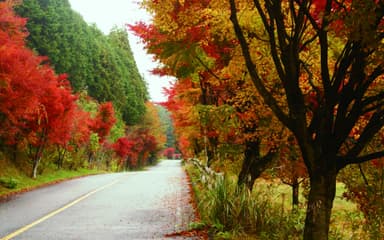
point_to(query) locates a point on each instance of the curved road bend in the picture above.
(132, 205)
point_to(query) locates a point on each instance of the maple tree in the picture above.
(152, 135)
(174, 55)
(130, 149)
(365, 184)
(54, 117)
(40, 114)
(100, 126)
(344, 92)
(81, 128)
(365, 188)
(14, 59)
(80, 133)
(37, 105)
(141, 143)
(290, 168)
(181, 96)
(257, 130)
(169, 152)
(103, 121)
(317, 65)
(122, 148)
(210, 77)
(102, 64)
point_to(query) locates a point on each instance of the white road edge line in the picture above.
(40, 220)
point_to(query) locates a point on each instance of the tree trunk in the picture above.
(60, 157)
(107, 163)
(127, 163)
(196, 147)
(295, 193)
(90, 157)
(210, 156)
(140, 161)
(14, 152)
(36, 162)
(35, 154)
(320, 202)
(253, 165)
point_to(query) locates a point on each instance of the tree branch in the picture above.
(374, 125)
(363, 175)
(266, 95)
(210, 70)
(343, 161)
(269, 26)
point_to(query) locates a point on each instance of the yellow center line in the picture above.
(40, 220)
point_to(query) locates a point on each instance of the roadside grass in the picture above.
(346, 219)
(266, 213)
(14, 179)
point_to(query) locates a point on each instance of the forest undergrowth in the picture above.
(232, 212)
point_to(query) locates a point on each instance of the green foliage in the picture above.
(166, 121)
(100, 68)
(184, 58)
(221, 117)
(94, 142)
(14, 175)
(232, 211)
(102, 65)
(77, 159)
(197, 225)
(365, 185)
(10, 182)
(133, 85)
(87, 104)
(235, 213)
(118, 129)
(61, 34)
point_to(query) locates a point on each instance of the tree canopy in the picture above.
(44, 119)
(316, 66)
(101, 64)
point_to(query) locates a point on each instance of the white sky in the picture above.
(106, 14)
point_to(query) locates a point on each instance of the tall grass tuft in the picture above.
(229, 208)
(234, 212)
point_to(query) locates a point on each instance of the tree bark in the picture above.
(60, 157)
(127, 164)
(254, 164)
(14, 152)
(35, 166)
(90, 157)
(35, 154)
(295, 193)
(210, 156)
(320, 202)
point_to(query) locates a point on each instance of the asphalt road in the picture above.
(133, 205)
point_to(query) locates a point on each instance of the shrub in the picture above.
(9, 183)
(228, 208)
(365, 184)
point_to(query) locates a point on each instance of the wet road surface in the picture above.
(133, 205)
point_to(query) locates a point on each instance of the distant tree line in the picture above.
(103, 65)
(71, 97)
